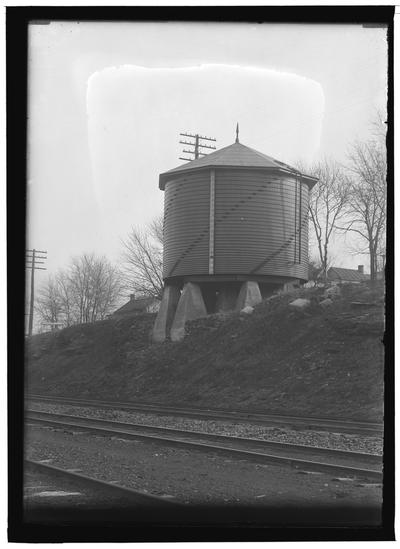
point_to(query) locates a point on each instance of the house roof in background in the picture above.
(136, 305)
(235, 155)
(350, 275)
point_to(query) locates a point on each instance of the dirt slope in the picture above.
(318, 362)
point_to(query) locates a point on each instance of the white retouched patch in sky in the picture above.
(108, 100)
(135, 115)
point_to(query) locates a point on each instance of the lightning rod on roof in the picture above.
(237, 132)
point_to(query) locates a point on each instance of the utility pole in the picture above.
(196, 144)
(31, 263)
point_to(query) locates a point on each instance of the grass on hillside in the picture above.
(318, 362)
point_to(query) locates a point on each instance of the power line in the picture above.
(31, 263)
(196, 144)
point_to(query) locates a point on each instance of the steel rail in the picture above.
(135, 495)
(210, 442)
(119, 426)
(259, 418)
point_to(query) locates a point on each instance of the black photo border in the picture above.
(17, 21)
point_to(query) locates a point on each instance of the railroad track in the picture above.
(307, 458)
(295, 422)
(133, 496)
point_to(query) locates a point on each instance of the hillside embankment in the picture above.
(322, 360)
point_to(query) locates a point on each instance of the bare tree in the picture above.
(379, 127)
(142, 258)
(156, 229)
(65, 297)
(327, 206)
(94, 287)
(366, 207)
(314, 271)
(86, 291)
(49, 303)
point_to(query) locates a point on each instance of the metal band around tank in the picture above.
(212, 223)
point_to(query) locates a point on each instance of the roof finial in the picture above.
(237, 132)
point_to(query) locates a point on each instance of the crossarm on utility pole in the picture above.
(32, 294)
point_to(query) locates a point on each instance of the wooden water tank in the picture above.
(235, 214)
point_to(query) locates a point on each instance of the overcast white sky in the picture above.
(107, 102)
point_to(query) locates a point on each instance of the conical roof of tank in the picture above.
(235, 155)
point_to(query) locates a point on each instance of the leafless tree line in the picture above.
(366, 203)
(86, 291)
(327, 206)
(351, 198)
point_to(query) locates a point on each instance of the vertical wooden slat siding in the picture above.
(212, 222)
(186, 225)
(256, 224)
(230, 221)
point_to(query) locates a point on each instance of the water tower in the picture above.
(235, 230)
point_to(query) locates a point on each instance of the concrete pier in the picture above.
(249, 295)
(191, 306)
(166, 313)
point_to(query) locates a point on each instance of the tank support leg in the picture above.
(166, 313)
(249, 295)
(191, 306)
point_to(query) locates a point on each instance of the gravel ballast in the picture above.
(194, 477)
(323, 439)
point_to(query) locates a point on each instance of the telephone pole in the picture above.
(32, 263)
(196, 144)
